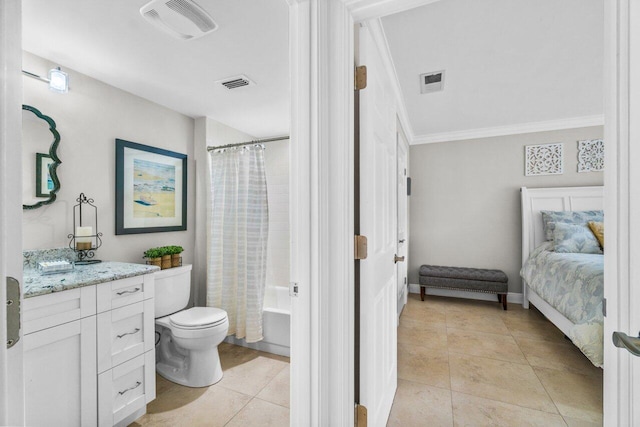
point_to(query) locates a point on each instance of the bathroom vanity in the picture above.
(89, 353)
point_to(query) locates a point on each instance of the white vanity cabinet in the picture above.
(89, 354)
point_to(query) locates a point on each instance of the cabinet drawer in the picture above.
(126, 389)
(47, 311)
(125, 333)
(124, 292)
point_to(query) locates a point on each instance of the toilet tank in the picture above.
(172, 290)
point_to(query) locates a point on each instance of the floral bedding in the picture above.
(572, 283)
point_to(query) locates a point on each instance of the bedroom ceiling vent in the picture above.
(236, 82)
(183, 19)
(432, 82)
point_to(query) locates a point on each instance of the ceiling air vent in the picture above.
(236, 82)
(183, 19)
(432, 82)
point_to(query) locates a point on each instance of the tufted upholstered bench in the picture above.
(464, 279)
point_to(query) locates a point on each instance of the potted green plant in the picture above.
(166, 257)
(154, 255)
(175, 251)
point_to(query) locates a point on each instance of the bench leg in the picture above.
(422, 293)
(503, 298)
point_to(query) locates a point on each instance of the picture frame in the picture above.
(151, 189)
(44, 181)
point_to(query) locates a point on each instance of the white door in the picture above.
(622, 210)
(403, 235)
(378, 289)
(11, 376)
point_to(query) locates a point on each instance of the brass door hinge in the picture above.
(360, 247)
(361, 416)
(361, 77)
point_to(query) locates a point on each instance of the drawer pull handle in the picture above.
(135, 331)
(130, 388)
(128, 292)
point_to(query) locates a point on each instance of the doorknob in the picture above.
(622, 340)
(397, 259)
(401, 241)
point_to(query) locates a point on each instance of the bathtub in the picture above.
(276, 323)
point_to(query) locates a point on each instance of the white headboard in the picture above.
(535, 200)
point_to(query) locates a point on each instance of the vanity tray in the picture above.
(53, 267)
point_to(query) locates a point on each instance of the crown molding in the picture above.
(571, 123)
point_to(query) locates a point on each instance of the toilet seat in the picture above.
(198, 318)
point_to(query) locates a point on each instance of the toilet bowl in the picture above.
(186, 340)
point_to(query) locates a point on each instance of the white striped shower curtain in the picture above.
(238, 217)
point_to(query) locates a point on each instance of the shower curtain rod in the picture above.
(257, 141)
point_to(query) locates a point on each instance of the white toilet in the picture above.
(187, 340)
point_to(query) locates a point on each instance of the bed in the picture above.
(567, 288)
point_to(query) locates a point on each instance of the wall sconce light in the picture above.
(58, 80)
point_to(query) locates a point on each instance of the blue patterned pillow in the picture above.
(574, 238)
(550, 218)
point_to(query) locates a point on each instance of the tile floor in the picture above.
(460, 362)
(469, 363)
(253, 392)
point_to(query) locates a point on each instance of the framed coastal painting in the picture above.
(151, 189)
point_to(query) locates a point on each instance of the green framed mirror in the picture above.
(40, 140)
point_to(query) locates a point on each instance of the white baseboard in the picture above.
(267, 347)
(512, 297)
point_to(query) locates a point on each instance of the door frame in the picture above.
(11, 373)
(622, 126)
(322, 52)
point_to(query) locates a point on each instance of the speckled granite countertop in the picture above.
(83, 275)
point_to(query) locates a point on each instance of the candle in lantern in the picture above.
(84, 237)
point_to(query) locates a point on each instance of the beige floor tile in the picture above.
(499, 380)
(493, 346)
(420, 333)
(184, 406)
(475, 321)
(163, 385)
(424, 365)
(424, 312)
(572, 422)
(259, 413)
(557, 355)
(533, 328)
(277, 391)
(250, 374)
(476, 411)
(479, 307)
(576, 396)
(420, 405)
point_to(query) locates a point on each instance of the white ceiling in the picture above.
(110, 41)
(507, 62)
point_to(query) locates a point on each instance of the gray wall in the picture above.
(465, 201)
(89, 118)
